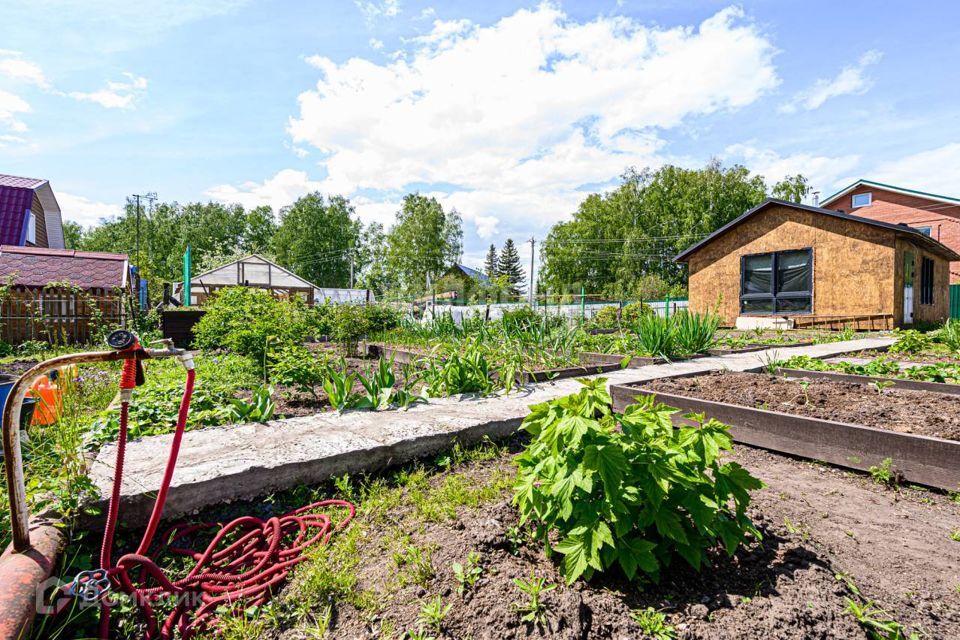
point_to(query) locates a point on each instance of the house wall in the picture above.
(889, 206)
(41, 221)
(853, 263)
(939, 311)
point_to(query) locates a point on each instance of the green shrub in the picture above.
(349, 324)
(655, 335)
(296, 366)
(381, 318)
(521, 316)
(633, 311)
(607, 318)
(628, 490)
(911, 341)
(244, 320)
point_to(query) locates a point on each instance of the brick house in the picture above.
(933, 215)
(29, 213)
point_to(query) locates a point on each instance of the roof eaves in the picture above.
(890, 187)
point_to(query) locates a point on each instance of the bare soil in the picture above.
(921, 412)
(17, 367)
(817, 522)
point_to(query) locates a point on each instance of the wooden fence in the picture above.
(59, 315)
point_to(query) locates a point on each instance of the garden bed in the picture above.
(929, 357)
(412, 525)
(893, 383)
(841, 423)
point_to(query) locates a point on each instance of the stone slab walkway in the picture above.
(223, 464)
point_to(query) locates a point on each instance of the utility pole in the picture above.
(533, 242)
(151, 196)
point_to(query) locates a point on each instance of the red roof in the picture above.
(20, 183)
(36, 267)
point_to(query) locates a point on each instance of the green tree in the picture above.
(490, 264)
(635, 230)
(792, 188)
(317, 238)
(508, 265)
(72, 235)
(423, 243)
(372, 260)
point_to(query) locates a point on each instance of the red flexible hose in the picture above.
(257, 556)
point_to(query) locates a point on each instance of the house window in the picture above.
(31, 229)
(862, 200)
(924, 230)
(926, 281)
(780, 282)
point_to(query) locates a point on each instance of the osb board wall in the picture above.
(939, 311)
(853, 263)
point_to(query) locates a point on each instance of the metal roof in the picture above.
(20, 182)
(915, 234)
(473, 273)
(890, 187)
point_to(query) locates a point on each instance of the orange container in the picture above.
(49, 401)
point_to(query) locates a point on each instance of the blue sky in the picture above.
(509, 111)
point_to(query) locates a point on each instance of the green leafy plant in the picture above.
(876, 622)
(629, 489)
(459, 372)
(804, 385)
(911, 341)
(949, 335)
(655, 335)
(468, 574)
(955, 535)
(380, 387)
(533, 610)
(349, 323)
(259, 408)
(338, 385)
(653, 623)
(880, 385)
(432, 613)
(418, 564)
(694, 332)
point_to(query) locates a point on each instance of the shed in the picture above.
(29, 213)
(60, 295)
(256, 271)
(788, 264)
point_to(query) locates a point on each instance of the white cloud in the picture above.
(851, 80)
(376, 44)
(823, 172)
(934, 170)
(10, 106)
(117, 95)
(14, 66)
(486, 226)
(84, 211)
(279, 191)
(300, 152)
(372, 10)
(519, 114)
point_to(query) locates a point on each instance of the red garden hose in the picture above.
(257, 555)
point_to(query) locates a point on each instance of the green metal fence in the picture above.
(955, 301)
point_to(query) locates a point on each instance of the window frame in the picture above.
(927, 231)
(926, 297)
(775, 296)
(853, 199)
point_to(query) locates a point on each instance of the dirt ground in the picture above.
(17, 367)
(817, 522)
(920, 412)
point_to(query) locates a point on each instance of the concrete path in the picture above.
(222, 464)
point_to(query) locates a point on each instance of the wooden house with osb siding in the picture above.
(783, 264)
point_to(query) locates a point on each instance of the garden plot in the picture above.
(859, 426)
(445, 529)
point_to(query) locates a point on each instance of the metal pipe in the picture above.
(13, 456)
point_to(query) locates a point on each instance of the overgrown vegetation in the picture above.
(628, 490)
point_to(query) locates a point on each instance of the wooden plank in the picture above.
(921, 459)
(898, 383)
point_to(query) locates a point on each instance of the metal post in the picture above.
(666, 306)
(583, 309)
(185, 294)
(532, 243)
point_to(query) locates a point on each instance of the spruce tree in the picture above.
(509, 265)
(490, 265)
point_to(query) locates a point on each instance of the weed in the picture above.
(955, 535)
(876, 622)
(467, 575)
(418, 563)
(654, 623)
(880, 385)
(884, 473)
(804, 385)
(533, 609)
(433, 613)
(797, 529)
(418, 634)
(259, 408)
